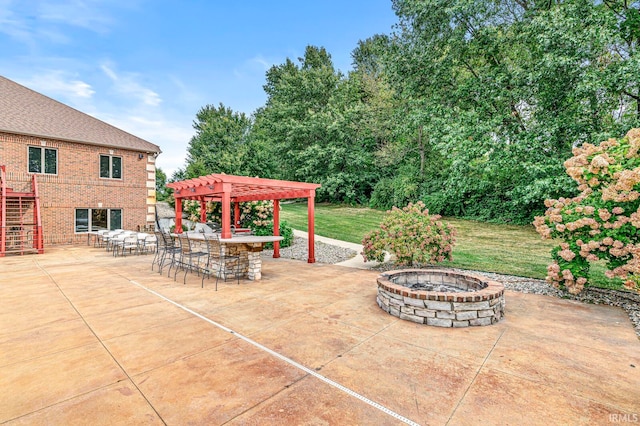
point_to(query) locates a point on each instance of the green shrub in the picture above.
(185, 228)
(412, 235)
(396, 191)
(603, 221)
(286, 231)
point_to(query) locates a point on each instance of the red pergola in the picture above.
(228, 189)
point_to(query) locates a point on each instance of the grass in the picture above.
(506, 249)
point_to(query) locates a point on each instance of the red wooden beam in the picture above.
(226, 211)
(178, 228)
(276, 227)
(311, 227)
(236, 214)
(272, 195)
(203, 211)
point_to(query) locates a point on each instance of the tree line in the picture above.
(470, 107)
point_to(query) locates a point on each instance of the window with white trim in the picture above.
(110, 167)
(97, 219)
(43, 160)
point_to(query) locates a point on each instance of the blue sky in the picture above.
(147, 67)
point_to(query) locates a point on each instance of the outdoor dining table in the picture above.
(250, 244)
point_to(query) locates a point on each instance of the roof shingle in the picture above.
(24, 111)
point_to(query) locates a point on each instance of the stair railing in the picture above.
(38, 240)
(3, 210)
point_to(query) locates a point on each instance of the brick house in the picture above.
(90, 175)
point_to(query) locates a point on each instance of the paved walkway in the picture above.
(355, 262)
(86, 338)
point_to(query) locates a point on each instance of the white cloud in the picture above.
(253, 67)
(12, 25)
(259, 60)
(127, 85)
(46, 21)
(87, 14)
(57, 82)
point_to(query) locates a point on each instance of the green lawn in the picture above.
(508, 249)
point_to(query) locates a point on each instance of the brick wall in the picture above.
(78, 184)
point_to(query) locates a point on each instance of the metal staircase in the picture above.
(20, 222)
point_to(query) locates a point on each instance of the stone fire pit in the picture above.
(441, 298)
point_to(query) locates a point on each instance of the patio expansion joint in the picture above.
(266, 400)
(124, 371)
(484, 361)
(309, 371)
(363, 341)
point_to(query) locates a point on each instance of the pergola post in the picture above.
(203, 211)
(226, 210)
(236, 214)
(276, 227)
(311, 225)
(178, 228)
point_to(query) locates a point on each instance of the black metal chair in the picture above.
(217, 260)
(192, 257)
(165, 252)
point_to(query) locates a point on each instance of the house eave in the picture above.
(106, 145)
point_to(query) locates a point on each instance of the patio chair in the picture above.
(149, 243)
(160, 250)
(115, 241)
(165, 252)
(107, 237)
(101, 238)
(129, 242)
(191, 258)
(217, 260)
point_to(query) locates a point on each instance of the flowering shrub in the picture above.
(257, 215)
(286, 232)
(412, 235)
(602, 222)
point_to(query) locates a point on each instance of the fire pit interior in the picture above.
(441, 298)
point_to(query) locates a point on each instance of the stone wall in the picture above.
(484, 306)
(248, 262)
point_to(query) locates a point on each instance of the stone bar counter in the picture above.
(247, 247)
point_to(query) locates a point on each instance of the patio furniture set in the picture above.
(120, 242)
(204, 255)
(208, 254)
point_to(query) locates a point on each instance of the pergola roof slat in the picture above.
(241, 187)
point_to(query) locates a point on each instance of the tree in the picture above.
(510, 87)
(219, 145)
(162, 192)
(314, 124)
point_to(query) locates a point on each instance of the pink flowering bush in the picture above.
(602, 222)
(412, 235)
(253, 214)
(257, 215)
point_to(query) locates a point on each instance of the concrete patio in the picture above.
(86, 338)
